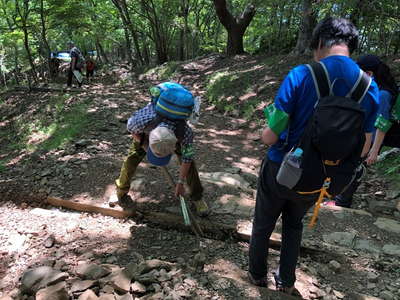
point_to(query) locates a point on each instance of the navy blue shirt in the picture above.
(297, 96)
(385, 104)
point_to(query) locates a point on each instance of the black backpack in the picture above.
(334, 136)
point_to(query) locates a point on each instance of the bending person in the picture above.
(158, 137)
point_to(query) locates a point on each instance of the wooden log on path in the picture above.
(162, 219)
(166, 220)
(89, 208)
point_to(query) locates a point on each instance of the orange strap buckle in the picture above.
(331, 162)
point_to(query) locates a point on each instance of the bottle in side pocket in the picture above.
(290, 170)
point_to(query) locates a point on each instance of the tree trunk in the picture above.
(133, 31)
(126, 20)
(128, 46)
(2, 75)
(307, 25)
(24, 28)
(44, 38)
(102, 55)
(183, 40)
(181, 47)
(16, 64)
(186, 30)
(235, 26)
(158, 36)
(125, 24)
(146, 53)
(235, 42)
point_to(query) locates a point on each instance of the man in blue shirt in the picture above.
(333, 40)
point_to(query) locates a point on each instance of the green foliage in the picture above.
(3, 166)
(65, 128)
(390, 168)
(163, 72)
(59, 123)
(220, 89)
(225, 88)
(249, 109)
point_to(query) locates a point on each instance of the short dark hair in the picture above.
(334, 31)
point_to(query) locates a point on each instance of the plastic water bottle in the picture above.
(294, 158)
(290, 170)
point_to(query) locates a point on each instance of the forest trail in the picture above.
(349, 251)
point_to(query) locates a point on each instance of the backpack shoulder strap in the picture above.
(361, 87)
(321, 78)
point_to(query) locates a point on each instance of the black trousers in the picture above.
(89, 73)
(272, 201)
(70, 76)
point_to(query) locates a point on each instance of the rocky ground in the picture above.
(52, 253)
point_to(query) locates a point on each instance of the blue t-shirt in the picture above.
(297, 97)
(385, 104)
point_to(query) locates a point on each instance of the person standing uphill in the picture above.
(333, 40)
(90, 66)
(158, 130)
(76, 63)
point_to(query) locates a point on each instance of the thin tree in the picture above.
(44, 36)
(160, 32)
(122, 7)
(23, 14)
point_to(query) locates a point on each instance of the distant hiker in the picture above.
(90, 66)
(54, 67)
(158, 130)
(76, 64)
(387, 123)
(312, 100)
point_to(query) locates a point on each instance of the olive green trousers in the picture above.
(135, 156)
